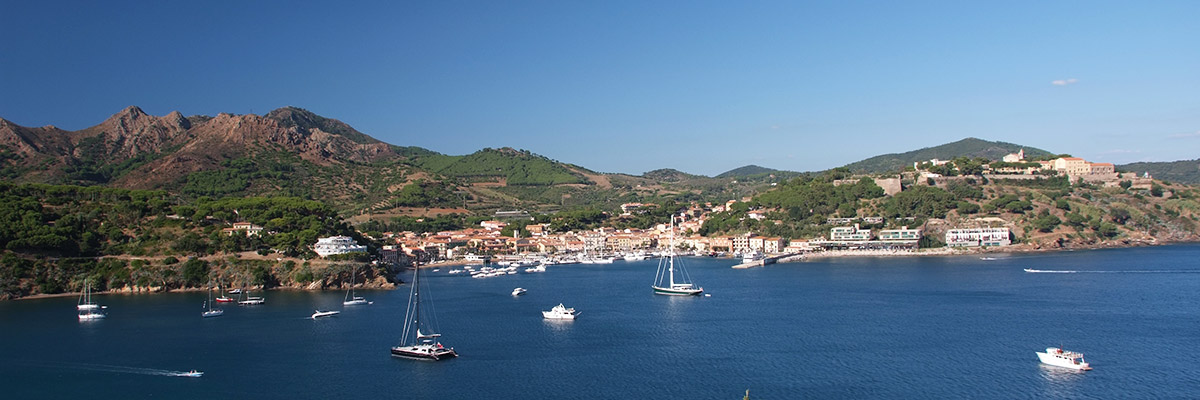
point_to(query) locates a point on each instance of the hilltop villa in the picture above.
(332, 245)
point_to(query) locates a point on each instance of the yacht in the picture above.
(352, 298)
(251, 300)
(518, 291)
(1066, 359)
(211, 312)
(415, 344)
(319, 314)
(88, 309)
(665, 280)
(560, 312)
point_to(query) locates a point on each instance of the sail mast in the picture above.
(671, 254)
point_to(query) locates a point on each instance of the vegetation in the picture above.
(969, 148)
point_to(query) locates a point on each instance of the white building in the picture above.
(900, 234)
(845, 233)
(978, 237)
(332, 245)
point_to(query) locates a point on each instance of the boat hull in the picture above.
(677, 292)
(213, 313)
(550, 315)
(1050, 359)
(424, 352)
(358, 301)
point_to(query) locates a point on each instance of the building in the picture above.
(244, 227)
(333, 245)
(1072, 166)
(902, 234)
(536, 229)
(978, 237)
(1015, 157)
(492, 225)
(849, 233)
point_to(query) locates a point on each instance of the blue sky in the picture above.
(632, 86)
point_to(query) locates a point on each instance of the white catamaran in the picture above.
(352, 298)
(414, 343)
(88, 309)
(664, 279)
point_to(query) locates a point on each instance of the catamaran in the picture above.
(352, 298)
(664, 279)
(89, 310)
(212, 312)
(415, 344)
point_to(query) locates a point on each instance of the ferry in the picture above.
(1066, 359)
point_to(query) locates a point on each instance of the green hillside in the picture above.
(969, 147)
(516, 167)
(1185, 171)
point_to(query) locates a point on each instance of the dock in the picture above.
(763, 262)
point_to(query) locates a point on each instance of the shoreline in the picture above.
(937, 252)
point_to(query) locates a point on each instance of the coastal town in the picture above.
(846, 236)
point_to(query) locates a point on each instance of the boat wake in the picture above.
(126, 370)
(1143, 271)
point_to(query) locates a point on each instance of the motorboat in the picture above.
(560, 312)
(1066, 359)
(518, 291)
(320, 314)
(191, 374)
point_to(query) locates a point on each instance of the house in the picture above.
(245, 227)
(978, 237)
(333, 245)
(902, 234)
(849, 233)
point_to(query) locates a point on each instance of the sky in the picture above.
(632, 86)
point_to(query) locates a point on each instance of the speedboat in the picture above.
(224, 299)
(560, 312)
(320, 314)
(191, 374)
(518, 291)
(1066, 359)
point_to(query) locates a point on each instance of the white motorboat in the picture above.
(518, 291)
(320, 314)
(560, 312)
(191, 374)
(1066, 359)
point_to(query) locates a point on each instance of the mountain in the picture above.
(1185, 171)
(746, 171)
(969, 147)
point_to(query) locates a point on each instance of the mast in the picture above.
(671, 260)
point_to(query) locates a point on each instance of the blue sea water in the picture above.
(929, 327)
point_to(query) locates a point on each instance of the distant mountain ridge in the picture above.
(1184, 171)
(969, 147)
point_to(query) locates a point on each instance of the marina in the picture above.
(910, 327)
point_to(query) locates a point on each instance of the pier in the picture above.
(767, 260)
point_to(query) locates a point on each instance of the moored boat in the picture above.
(319, 314)
(664, 279)
(415, 344)
(1066, 359)
(518, 291)
(560, 312)
(89, 310)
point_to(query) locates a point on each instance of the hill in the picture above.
(969, 147)
(1185, 171)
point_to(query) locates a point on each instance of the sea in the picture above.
(836, 328)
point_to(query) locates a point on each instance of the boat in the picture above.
(752, 257)
(415, 344)
(212, 312)
(319, 314)
(352, 298)
(88, 309)
(560, 312)
(664, 280)
(251, 300)
(1067, 359)
(518, 291)
(191, 374)
(235, 291)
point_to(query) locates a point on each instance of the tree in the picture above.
(1045, 222)
(1126, 184)
(1119, 215)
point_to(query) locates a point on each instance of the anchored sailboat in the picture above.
(212, 312)
(414, 343)
(352, 299)
(665, 281)
(89, 310)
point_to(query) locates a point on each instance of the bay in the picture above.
(928, 327)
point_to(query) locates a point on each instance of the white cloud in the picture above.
(1195, 134)
(1063, 82)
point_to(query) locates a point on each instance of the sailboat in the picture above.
(223, 298)
(351, 298)
(414, 343)
(250, 300)
(212, 312)
(664, 279)
(89, 310)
